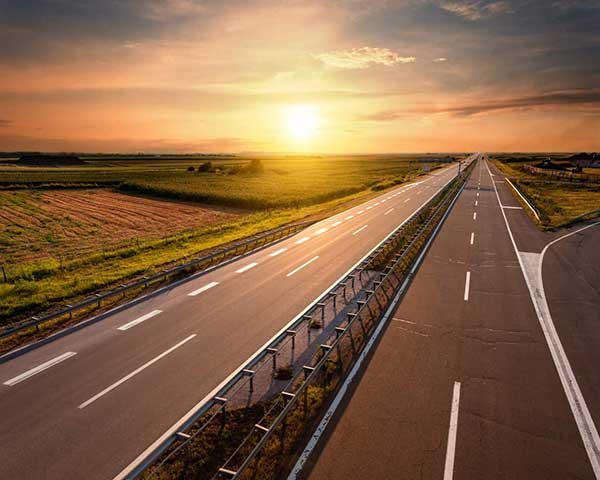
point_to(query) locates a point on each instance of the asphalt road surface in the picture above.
(468, 380)
(87, 404)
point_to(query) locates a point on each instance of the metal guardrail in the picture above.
(206, 262)
(373, 293)
(359, 324)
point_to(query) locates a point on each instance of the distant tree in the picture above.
(191, 169)
(205, 167)
(256, 166)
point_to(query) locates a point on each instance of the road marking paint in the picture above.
(141, 319)
(389, 211)
(360, 229)
(302, 240)
(467, 286)
(419, 191)
(190, 415)
(477, 187)
(524, 199)
(341, 391)
(302, 266)
(583, 419)
(451, 446)
(335, 224)
(383, 201)
(476, 202)
(474, 215)
(512, 208)
(369, 207)
(204, 288)
(320, 231)
(134, 373)
(39, 368)
(477, 193)
(407, 200)
(377, 204)
(360, 212)
(472, 237)
(247, 267)
(277, 252)
(349, 217)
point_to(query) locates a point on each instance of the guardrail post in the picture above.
(334, 296)
(250, 373)
(70, 311)
(293, 334)
(273, 352)
(99, 298)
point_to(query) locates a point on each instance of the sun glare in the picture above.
(302, 121)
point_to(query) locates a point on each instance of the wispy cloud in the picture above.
(588, 98)
(364, 57)
(476, 9)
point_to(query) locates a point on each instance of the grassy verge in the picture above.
(557, 202)
(45, 284)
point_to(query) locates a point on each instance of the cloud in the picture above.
(476, 9)
(364, 57)
(588, 98)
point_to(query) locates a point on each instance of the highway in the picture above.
(473, 376)
(87, 404)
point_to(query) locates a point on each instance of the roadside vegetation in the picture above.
(559, 202)
(60, 245)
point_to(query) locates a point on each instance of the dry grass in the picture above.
(65, 224)
(557, 202)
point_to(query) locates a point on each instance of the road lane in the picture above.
(230, 322)
(514, 422)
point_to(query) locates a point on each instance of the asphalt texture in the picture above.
(514, 420)
(112, 388)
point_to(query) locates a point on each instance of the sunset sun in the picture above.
(302, 122)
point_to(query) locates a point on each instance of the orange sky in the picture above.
(379, 76)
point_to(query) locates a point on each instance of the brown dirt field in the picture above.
(37, 224)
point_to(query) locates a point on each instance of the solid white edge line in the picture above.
(523, 198)
(583, 419)
(141, 319)
(452, 430)
(314, 439)
(246, 267)
(40, 368)
(302, 266)
(472, 237)
(360, 229)
(467, 286)
(123, 474)
(277, 252)
(134, 373)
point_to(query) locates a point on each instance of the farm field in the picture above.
(64, 224)
(557, 202)
(59, 243)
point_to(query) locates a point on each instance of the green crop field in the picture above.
(53, 255)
